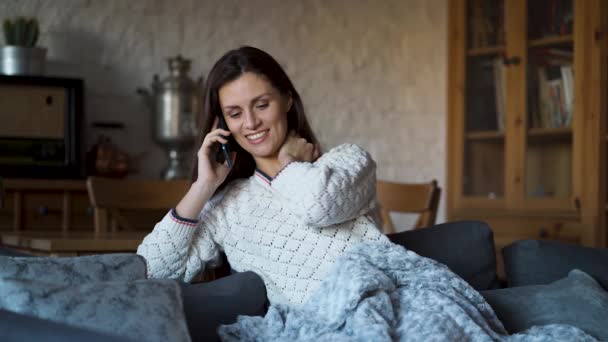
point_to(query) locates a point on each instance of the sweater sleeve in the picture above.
(339, 186)
(179, 248)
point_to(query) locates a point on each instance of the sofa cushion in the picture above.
(576, 300)
(209, 305)
(141, 310)
(75, 270)
(466, 247)
(534, 262)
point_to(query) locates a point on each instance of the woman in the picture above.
(281, 211)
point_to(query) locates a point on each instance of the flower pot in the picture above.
(21, 60)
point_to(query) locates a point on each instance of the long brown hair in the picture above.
(227, 69)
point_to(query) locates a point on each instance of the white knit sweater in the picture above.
(289, 229)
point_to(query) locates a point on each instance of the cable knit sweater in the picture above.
(289, 229)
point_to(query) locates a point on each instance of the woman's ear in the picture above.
(289, 102)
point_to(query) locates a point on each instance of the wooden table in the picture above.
(71, 243)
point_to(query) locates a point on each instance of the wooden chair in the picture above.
(421, 198)
(110, 197)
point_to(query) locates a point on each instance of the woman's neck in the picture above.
(269, 166)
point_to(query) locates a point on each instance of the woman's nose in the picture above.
(251, 120)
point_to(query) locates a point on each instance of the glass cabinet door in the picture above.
(550, 99)
(484, 135)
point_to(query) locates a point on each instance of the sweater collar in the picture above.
(262, 177)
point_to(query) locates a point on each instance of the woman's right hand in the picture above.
(211, 175)
(210, 172)
(296, 148)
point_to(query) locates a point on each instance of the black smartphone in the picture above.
(223, 153)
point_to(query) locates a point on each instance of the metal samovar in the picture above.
(174, 103)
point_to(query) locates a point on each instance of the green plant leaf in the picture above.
(21, 32)
(9, 32)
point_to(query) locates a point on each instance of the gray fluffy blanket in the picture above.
(383, 292)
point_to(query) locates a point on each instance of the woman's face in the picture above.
(256, 114)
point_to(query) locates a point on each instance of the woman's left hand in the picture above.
(296, 148)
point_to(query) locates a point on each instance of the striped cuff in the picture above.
(178, 219)
(175, 227)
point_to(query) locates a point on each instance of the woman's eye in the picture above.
(234, 115)
(262, 105)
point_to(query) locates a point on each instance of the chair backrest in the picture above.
(111, 196)
(420, 198)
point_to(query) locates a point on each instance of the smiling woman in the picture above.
(254, 94)
(283, 210)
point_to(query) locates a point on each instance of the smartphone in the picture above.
(223, 153)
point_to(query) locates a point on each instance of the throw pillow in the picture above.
(535, 262)
(142, 310)
(19, 328)
(576, 300)
(75, 270)
(466, 247)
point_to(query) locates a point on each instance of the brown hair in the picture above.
(227, 69)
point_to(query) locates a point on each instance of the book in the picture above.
(500, 89)
(568, 91)
(558, 112)
(555, 95)
(544, 100)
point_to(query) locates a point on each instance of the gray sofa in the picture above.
(533, 268)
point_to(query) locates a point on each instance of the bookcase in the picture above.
(527, 118)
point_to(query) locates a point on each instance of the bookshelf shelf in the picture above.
(485, 135)
(551, 40)
(549, 135)
(542, 132)
(486, 51)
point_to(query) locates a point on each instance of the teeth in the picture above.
(256, 136)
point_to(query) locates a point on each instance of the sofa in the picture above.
(546, 282)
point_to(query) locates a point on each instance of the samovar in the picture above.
(174, 103)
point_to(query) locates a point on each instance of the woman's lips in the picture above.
(257, 138)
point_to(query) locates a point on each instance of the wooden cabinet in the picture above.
(55, 217)
(527, 108)
(46, 205)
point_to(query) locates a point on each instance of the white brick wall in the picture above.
(372, 72)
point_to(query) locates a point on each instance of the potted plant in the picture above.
(20, 56)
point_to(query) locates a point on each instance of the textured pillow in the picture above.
(576, 300)
(142, 310)
(536, 262)
(19, 328)
(75, 270)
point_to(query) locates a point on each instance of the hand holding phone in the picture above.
(223, 154)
